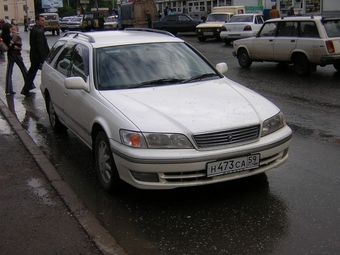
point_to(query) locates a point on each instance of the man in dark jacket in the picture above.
(38, 52)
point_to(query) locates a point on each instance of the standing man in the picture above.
(148, 19)
(38, 52)
(274, 13)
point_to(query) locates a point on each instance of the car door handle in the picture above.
(292, 40)
(271, 40)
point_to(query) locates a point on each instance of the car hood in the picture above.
(196, 107)
(211, 24)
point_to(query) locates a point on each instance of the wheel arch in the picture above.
(245, 48)
(297, 53)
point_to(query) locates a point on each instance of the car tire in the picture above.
(106, 167)
(301, 65)
(202, 39)
(337, 67)
(243, 58)
(56, 125)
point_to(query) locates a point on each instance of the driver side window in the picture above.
(73, 61)
(269, 29)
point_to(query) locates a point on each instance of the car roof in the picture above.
(310, 17)
(123, 37)
(247, 14)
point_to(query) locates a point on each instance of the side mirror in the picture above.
(222, 67)
(76, 83)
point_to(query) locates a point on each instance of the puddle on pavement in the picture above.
(5, 128)
(38, 189)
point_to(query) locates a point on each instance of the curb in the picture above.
(98, 234)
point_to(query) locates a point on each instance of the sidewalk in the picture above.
(39, 213)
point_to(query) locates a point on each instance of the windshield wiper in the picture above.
(157, 81)
(200, 76)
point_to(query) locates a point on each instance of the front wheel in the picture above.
(202, 39)
(106, 168)
(243, 58)
(301, 65)
(337, 67)
(56, 125)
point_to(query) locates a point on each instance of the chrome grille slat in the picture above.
(227, 137)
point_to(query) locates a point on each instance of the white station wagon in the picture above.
(306, 42)
(156, 113)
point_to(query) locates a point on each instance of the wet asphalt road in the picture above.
(294, 209)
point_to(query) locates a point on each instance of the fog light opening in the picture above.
(145, 177)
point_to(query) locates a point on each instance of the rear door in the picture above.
(185, 24)
(310, 42)
(286, 40)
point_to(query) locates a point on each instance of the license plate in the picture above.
(234, 165)
(208, 33)
(234, 35)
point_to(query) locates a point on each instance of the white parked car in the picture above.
(156, 113)
(241, 26)
(306, 42)
(111, 23)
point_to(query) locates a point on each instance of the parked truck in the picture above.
(211, 28)
(133, 14)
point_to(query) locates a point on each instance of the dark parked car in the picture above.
(175, 23)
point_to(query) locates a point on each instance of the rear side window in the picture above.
(332, 28)
(309, 29)
(288, 28)
(258, 20)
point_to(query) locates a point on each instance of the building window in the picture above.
(6, 8)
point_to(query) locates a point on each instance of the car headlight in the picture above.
(273, 124)
(154, 140)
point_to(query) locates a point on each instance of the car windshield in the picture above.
(332, 27)
(241, 18)
(217, 17)
(155, 64)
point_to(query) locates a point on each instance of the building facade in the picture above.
(17, 9)
(195, 7)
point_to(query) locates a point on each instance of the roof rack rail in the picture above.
(77, 34)
(149, 30)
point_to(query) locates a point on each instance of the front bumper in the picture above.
(208, 32)
(184, 168)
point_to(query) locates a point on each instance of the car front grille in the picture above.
(227, 137)
(209, 29)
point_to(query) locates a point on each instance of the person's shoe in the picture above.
(25, 93)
